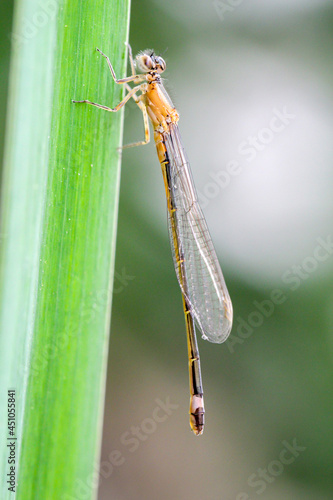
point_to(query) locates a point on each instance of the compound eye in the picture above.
(144, 63)
(147, 62)
(160, 64)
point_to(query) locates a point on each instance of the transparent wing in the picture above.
(199, 275)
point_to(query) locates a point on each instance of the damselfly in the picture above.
(206, 299)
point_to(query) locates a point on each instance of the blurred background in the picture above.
(253, 84)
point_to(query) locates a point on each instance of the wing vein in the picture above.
(200, 276)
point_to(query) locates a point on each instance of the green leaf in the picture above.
(59, 218)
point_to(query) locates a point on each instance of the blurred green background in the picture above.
(253, 84)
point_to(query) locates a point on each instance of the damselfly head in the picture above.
(147, 61)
